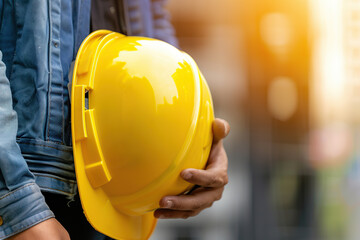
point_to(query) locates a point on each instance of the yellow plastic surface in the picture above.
(150, 115)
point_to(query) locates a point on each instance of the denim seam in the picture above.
(55, 142)
(41, 145)
(63, 180)
(62, 105)
(18, 189)
(50, 80)
(29, 225)
(15, 48)
(57, 190)
(50, 70)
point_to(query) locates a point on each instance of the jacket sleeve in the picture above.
(163, 29)
(21, 203)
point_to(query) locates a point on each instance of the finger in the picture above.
(221, 129)
(171, 214)
(198, 200)
(217, 156)
(211, 178)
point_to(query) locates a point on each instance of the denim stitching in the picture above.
(66, 193)
(50, 141)
(62, 105)
(16, 44)
(50, 69)
(63, 180)
(19, 138)
(27, 226)
(18, 189)
(41, 145)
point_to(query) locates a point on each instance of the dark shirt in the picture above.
(108, 14)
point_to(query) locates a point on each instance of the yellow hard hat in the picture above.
(149, 117)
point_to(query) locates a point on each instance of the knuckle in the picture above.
(219, 195)
(177, 205)
(213, 180)
(197, 205)
(219, 180)
(223, 179)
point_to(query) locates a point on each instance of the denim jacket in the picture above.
(38, 42)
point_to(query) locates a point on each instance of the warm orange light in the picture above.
(282, 98)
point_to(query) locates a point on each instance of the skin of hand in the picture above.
(210, 181)
(49, 229)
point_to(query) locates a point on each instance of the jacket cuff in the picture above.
(22, 209)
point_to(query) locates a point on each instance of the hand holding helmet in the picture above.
(210, 181)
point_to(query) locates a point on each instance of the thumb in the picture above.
(221, 129)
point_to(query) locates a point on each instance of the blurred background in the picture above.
(286, 75)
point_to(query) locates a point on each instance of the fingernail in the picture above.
(168, 204)
(158, 215)
(187, 175)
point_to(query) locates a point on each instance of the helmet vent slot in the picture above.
(86, 99)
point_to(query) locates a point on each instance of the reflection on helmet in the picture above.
(149, 117)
